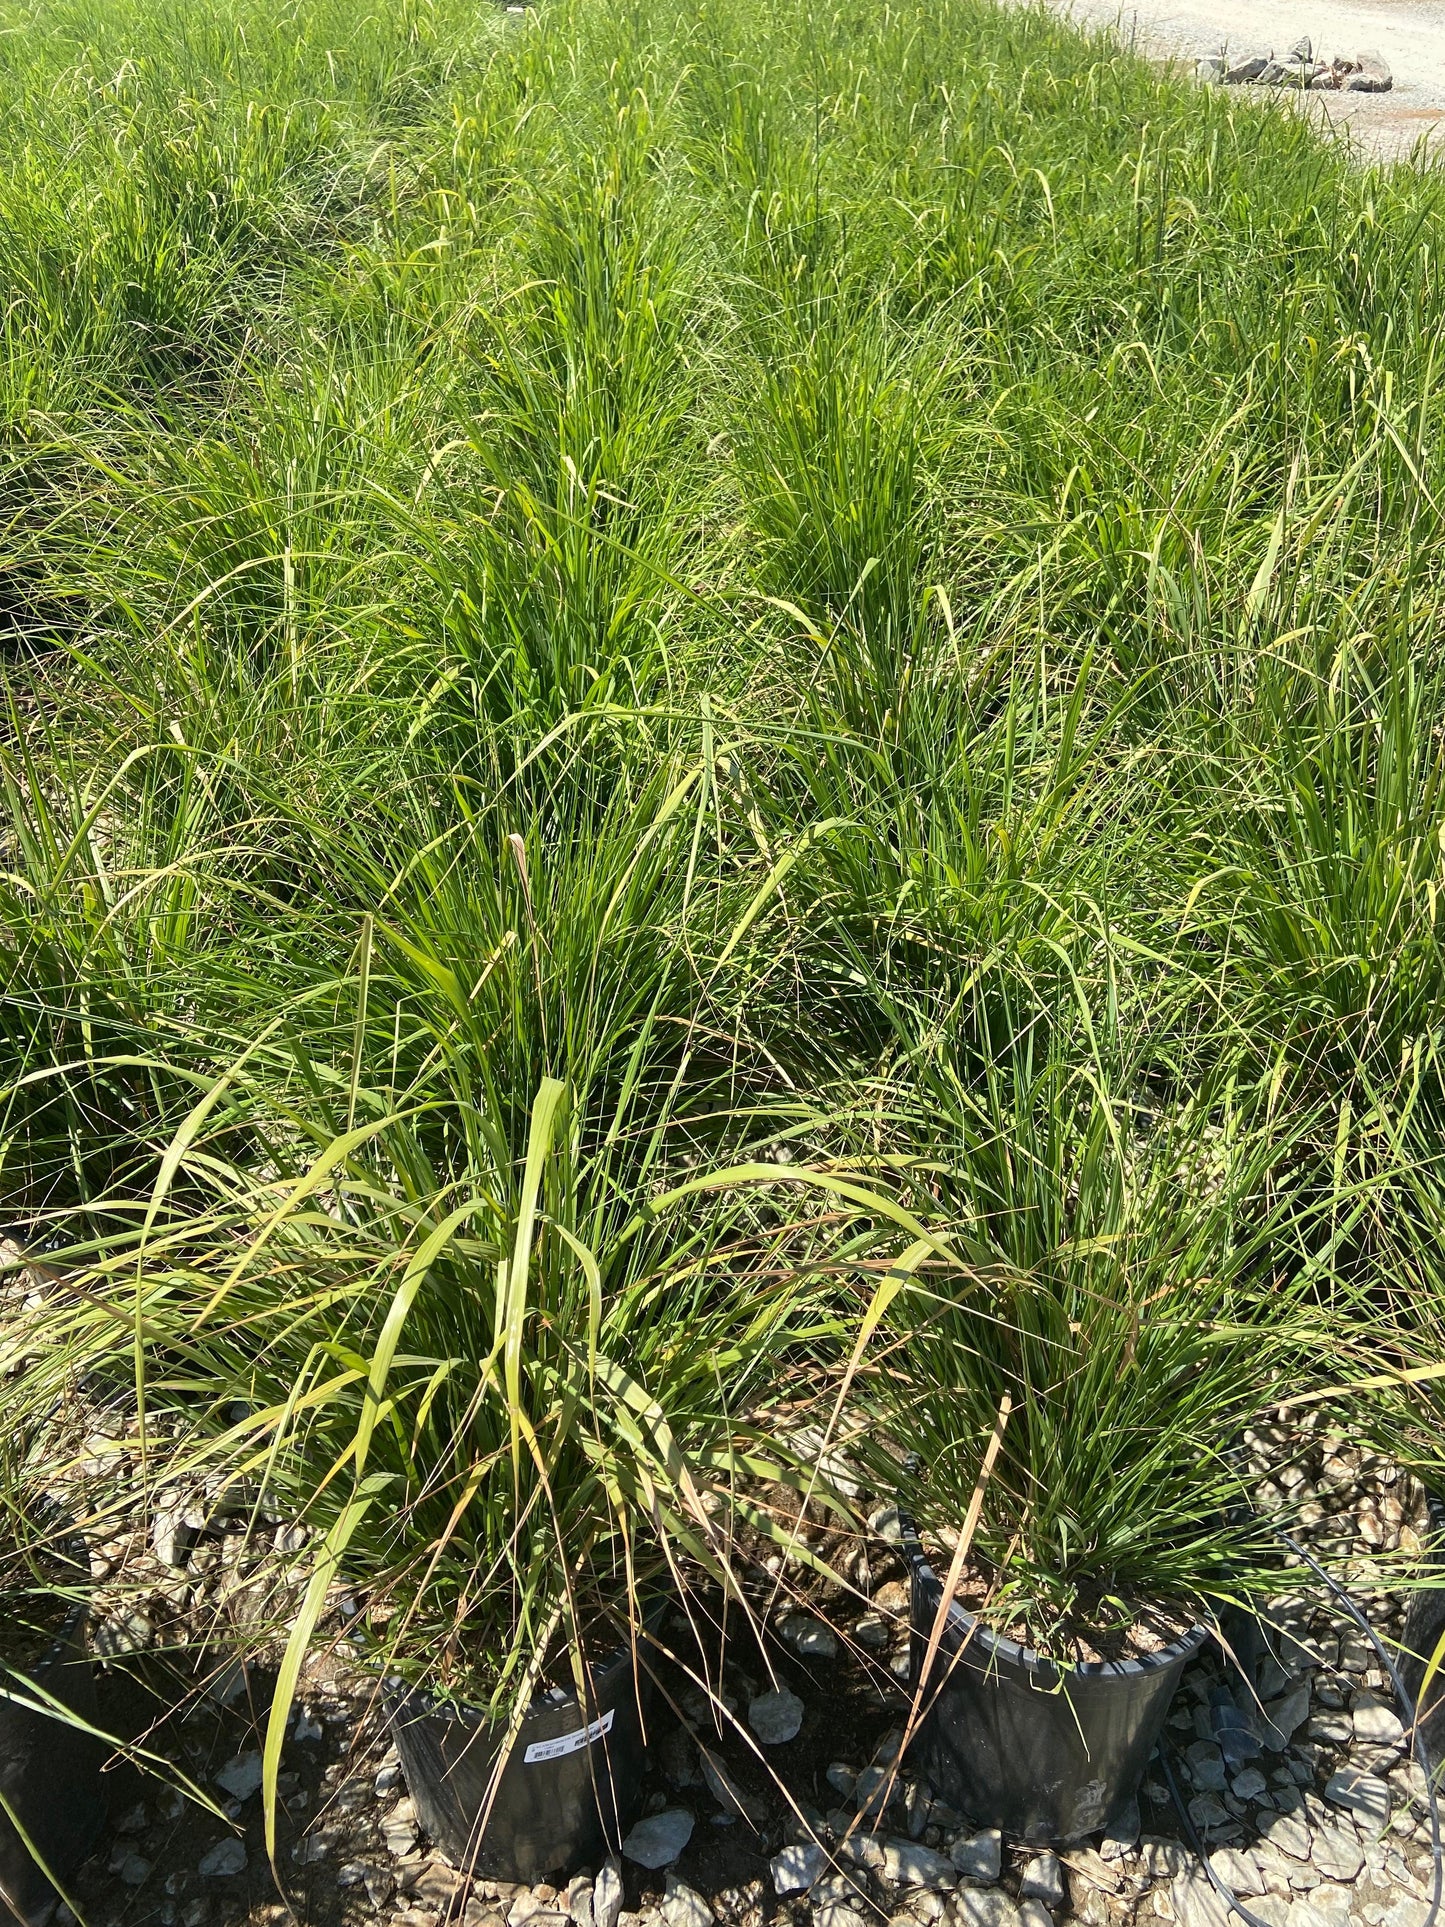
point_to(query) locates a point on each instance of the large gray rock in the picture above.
(1337, 1852)
(1371, 76)
(1362, 1794)
(1284, 1716)
(1247, 66)
(683, 1906)
(908, 1863)
(978, 1856)
(983, 1907)
(1288, 1832)
(225, 1858)
(1206, 1766)
(1195, 1902)
(1043, 1879)
(1236, 1867)
(241, 1777)
(1375, 1723)
(777, 1717)
(660, 1838)
(809, 1637)
(796, 1868)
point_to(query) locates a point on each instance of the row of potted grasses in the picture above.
(707, 727)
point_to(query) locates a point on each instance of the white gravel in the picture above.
(1410, 34)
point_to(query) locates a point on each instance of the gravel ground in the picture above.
(1409, 33)
(1319, 1820)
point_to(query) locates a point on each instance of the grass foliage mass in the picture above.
(710, 710)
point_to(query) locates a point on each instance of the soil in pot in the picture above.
(50, 1767)
(1047, 1750)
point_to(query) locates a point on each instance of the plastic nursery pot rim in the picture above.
(1048, 1671)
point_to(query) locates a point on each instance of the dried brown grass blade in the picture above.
(955, 1573)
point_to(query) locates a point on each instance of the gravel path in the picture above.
(1409, 33)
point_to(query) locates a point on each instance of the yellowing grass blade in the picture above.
(545, 1108)
(312, 1605)
(955, 1570)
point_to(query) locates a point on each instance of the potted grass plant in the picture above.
(494, 1343)
(1065, 1402)
(553, 1418)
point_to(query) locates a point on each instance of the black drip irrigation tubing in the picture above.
(1417, 1748)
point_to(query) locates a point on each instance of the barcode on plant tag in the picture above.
(569, 1742)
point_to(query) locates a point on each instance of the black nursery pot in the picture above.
(569, 1791)
(1047, 1754)
(1424, 1629)
(50, 1771)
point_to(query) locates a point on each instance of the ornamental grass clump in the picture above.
(438, 1273)
(1128, 1293)
(588, 589)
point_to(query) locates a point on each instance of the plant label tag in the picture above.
(570, 1742)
